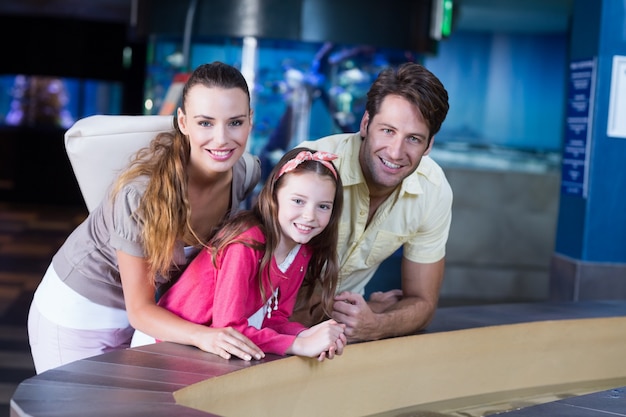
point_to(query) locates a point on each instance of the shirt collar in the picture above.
(350, 169)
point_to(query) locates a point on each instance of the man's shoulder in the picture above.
(332, 143)
(432, 171)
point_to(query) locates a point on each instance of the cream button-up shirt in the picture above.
(416, 216)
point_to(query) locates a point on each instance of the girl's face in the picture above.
(305, 204)
(217, 122)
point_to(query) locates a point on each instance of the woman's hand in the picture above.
(145, 315)
(226, 342)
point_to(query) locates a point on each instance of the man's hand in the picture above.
(396, 312)
(381, 301)
(360, 321)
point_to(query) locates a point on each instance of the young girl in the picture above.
(102, 282)
(249, 276)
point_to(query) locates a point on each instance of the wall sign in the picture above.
(616, 126)
(578, 116)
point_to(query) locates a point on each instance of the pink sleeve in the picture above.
(191, 297)
(228, 295)
(237, 297)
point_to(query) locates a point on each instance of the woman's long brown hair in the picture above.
(164, 212)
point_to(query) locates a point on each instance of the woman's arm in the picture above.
(145, 315)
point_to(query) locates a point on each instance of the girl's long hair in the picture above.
(164, 212)
(323, 269)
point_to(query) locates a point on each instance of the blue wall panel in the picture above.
(593, 229)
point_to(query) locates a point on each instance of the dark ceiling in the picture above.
(110, 10)
(473, 15)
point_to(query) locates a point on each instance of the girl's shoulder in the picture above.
(254, 233)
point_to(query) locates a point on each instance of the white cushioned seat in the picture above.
(100, 146)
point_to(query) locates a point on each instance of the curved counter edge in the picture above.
(143, 380)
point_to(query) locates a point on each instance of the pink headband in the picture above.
(321, 157)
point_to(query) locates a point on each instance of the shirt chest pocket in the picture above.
(385, 243)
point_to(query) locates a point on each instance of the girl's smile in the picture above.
(305, 204)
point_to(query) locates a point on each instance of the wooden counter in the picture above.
(499, 344)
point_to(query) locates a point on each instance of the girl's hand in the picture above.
(322, 340)
(335, 350)
(226, 342)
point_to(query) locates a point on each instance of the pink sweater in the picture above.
(229, 294)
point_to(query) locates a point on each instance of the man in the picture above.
(394, 196)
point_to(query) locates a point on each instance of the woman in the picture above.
(103, 281)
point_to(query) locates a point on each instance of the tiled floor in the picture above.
(29, 236)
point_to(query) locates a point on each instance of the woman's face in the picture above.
(217, 122)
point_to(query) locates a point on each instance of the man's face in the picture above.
(395, 141)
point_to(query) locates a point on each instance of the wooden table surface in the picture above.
(141, 381)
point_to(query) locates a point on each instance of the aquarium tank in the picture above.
(300, 90)
(42, 101)
(506, 91)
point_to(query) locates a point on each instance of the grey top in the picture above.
(87, 261)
